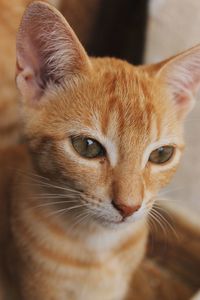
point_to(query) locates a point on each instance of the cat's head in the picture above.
(108, 133)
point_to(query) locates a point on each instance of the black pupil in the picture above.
(161, 151)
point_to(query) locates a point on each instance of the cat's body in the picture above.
(102, 138)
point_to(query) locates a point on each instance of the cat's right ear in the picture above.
(48, 52)
(180, 76)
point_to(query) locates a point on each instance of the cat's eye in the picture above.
(87, 147)
(161, 155)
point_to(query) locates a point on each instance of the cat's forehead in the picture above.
(120, 101)
(118, 87)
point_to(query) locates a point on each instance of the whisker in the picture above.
(67, 191)
(55, 197)
(151, 213)
(51, 194)
(44, 183)
(55, 186)
(151, 223)
(83, 218)
(29, 174)
(54, 203)
(67, 209)
(157, 207)
(166, 222)
(84, 215)
(160, 207)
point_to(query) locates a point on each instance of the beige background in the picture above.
(174, 25)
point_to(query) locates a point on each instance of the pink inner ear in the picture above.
(182, 76)
(28, 76)
(48, 52)
(183, 96)
(182, 100)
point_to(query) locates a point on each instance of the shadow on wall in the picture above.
(110, 28)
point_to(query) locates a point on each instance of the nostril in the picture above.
(125, 210)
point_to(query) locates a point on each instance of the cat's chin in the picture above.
(121, 222)
(113, 224)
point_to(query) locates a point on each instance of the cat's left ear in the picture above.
(181, 75)
(48, 52)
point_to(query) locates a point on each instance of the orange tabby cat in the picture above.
(103, 137)
(10, 122)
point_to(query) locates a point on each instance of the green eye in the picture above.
(161, 155)
(87, 147)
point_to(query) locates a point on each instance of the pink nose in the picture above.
(124, 209)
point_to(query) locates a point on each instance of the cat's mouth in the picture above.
(114, 224)
(120, 221)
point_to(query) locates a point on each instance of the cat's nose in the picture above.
(125, 210)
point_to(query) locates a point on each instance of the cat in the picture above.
(102, 138)
(10, 120)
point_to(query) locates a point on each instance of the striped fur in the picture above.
(61, 237)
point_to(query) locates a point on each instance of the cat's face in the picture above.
(107, 132)
(99, 137)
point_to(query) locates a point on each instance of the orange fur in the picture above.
(88, 250)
